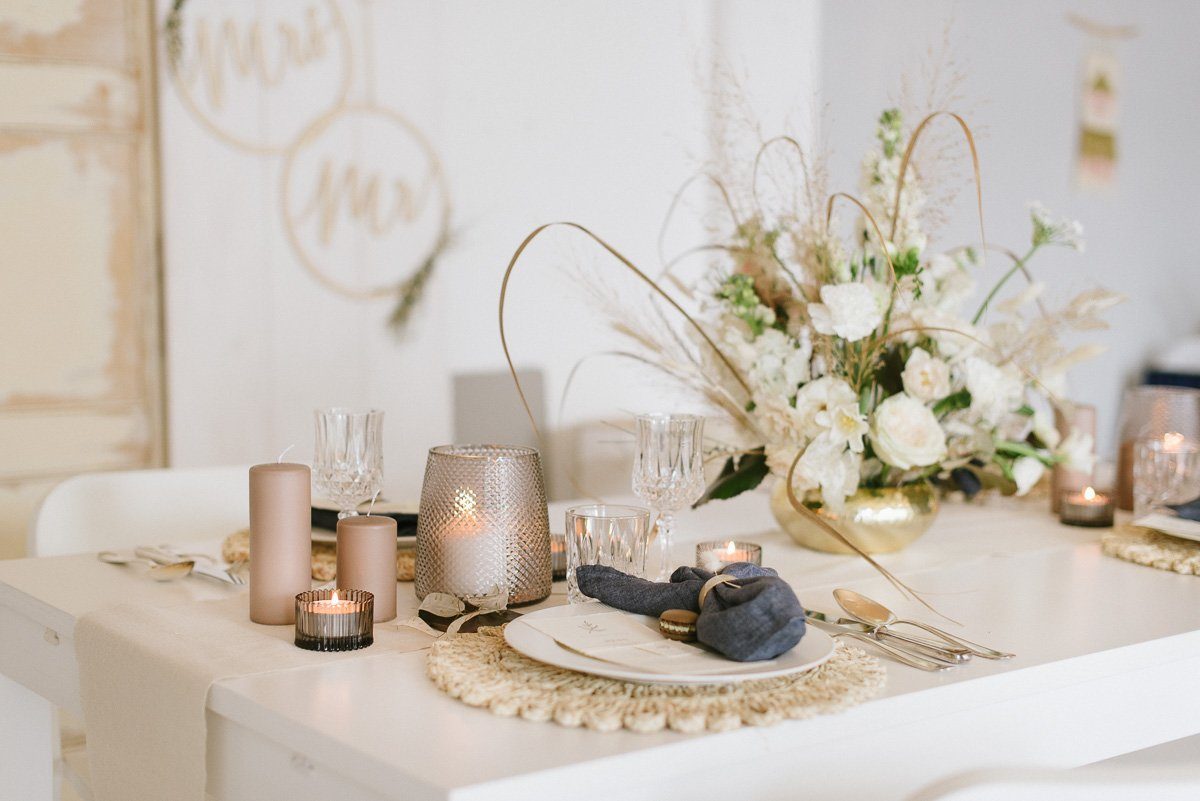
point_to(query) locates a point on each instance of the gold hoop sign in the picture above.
(254, 75)
(363, 188)
(363, 199)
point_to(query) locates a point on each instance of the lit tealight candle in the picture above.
(334, 620)
(716, 555)
(1087, 508)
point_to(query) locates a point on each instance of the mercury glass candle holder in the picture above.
(483, 528)
(334, 620)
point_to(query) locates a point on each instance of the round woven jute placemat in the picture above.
(1145, 546)
(236, 548)
(482, 670)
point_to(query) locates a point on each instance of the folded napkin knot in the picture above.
(746, 612)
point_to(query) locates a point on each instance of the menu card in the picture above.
(623, 639)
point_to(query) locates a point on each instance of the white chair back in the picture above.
(97, 511)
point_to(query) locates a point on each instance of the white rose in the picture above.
(822, 395)
(994, 391)
(1027, 471)
(906, 434)
(850, 311)
(925, 378)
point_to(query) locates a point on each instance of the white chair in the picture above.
(95, 511)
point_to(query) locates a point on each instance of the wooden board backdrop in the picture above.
(80, 351)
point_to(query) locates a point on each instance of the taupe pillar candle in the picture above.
(280, 540)
(366, 560)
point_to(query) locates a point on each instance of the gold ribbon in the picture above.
(720, 578)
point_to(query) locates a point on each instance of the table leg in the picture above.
(28, 744)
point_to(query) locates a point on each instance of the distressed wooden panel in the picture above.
(18, 502)
(80, 364)
(75, 30)
(80, 97)
(69, 240)
(43, 444)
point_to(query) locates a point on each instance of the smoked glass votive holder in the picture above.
(1086, 507)
(334, 620)
(720, 553)
(483, 528)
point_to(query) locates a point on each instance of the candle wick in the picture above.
(285, 450)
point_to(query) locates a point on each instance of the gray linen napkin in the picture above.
(754, 618)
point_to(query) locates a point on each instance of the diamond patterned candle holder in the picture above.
(483, 526)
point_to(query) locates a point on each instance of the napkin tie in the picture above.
(720, 578)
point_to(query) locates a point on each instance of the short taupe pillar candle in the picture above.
(280, 540)
(366, 560)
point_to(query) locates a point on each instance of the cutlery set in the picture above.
(872, 623)
(166, 564)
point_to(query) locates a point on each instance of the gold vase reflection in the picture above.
(880, 520)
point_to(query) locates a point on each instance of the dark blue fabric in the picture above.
(754, 618)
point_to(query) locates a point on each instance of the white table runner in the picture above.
(145, 673)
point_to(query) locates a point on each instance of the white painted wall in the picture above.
(597, 112)
(539, 111)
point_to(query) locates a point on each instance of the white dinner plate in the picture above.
(815, 647)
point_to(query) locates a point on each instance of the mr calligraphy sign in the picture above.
(362, 197)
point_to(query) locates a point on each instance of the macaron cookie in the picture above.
(678, 624)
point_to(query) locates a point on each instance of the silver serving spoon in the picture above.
(875, 614)
(157, 572)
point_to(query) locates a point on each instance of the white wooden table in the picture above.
(1108, 655)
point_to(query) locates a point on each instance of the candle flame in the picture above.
(334, 596)
(1172, 440)
(1089, 494)
(729, 547)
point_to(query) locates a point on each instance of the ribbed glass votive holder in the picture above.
(483, 528)
(334, 620)
(716, 555)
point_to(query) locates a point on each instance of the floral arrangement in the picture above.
(855, 365)
(862, 367)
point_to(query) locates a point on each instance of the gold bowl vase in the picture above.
(880, 520)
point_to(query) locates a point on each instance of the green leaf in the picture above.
(952, 403)
(737, 476)
(1024, 449)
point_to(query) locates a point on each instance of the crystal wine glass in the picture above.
(348, 461)
(668, 474)
(1166, 472)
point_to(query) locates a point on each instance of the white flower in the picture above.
(822, 395)
(906, 434)
(1027, 472)
(850, 311)
(1078, 452)
(925, 378)
(780, 363)
(844, 424)
(1043, 419)
(1051, 230)
(830, 467)
(994, 391)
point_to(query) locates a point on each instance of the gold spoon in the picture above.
(875, 614)
(157, 572)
